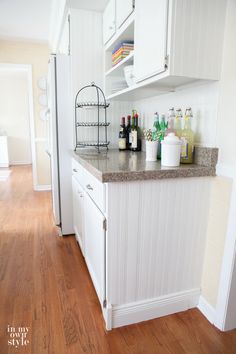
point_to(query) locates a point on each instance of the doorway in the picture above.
(17, 116)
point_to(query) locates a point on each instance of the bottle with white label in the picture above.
(122, 135)
(187, 137)
(134, 134)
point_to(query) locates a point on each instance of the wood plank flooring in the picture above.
(44, 285)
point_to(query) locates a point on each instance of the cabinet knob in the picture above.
(110, 28)
(89, 187)
(74, 170)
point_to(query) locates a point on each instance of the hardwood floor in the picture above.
(45, 286)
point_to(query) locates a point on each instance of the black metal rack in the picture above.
(101, 122)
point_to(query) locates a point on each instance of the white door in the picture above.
(123, 9)
(150, 38)
(78, 212)
(95, 245)
(109, 27)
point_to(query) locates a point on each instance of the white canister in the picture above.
(170, 150)
(151, 150)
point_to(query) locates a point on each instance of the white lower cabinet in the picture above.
(147, 261)
(95, 244)
(78, 212)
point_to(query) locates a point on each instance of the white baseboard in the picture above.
(12, 163)
(4, 165)
(206, 309)
(161, 306)
(42, 187)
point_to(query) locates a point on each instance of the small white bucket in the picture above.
(170, 151)
(151, 150)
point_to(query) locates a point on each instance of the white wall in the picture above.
(14, 114)
(227, 167)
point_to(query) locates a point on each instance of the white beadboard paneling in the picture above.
(196, 35)
(156, 237)
(86, 38)
(204, 102)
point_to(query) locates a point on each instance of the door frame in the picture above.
(28, 69)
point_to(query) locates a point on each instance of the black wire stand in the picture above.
(101, 122)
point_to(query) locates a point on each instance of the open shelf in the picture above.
(93, 124)
(91, 105)
(117, 70)
(92, 143)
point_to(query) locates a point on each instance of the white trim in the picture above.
(206, 309)
(15, 163)
(153, 308)
(42, 187)
(224, 302)
(32, 127)
(4, 165)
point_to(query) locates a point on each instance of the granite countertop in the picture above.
(118, 166)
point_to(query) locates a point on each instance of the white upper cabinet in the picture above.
(176, 42)
(123, 9)
(109, 25)
(150, 38)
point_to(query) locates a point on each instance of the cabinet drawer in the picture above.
(90, 184)
(78, 172)
(95, 189)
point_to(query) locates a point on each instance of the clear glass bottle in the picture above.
(187, 137)
(171, 121)
(178, 122)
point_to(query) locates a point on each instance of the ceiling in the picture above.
(27, 19)
(30, 19)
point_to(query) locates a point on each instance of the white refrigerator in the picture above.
(60, 140)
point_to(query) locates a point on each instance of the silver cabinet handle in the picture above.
(89, 187)
(74, 170)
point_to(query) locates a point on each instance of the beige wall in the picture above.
(216, 233)
(14, 114)
(37, 55)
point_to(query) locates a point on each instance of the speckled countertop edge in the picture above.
(204, 166)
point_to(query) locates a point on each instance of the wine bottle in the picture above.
(134, 134)
(187, 137)
(139, 133)
(128, 133)
(122, 135)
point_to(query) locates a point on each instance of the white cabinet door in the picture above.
(109, 27)
(78, 212)
(150, 37)
(123, 9)
(95, 246)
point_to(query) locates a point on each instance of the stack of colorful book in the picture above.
(121, 51)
